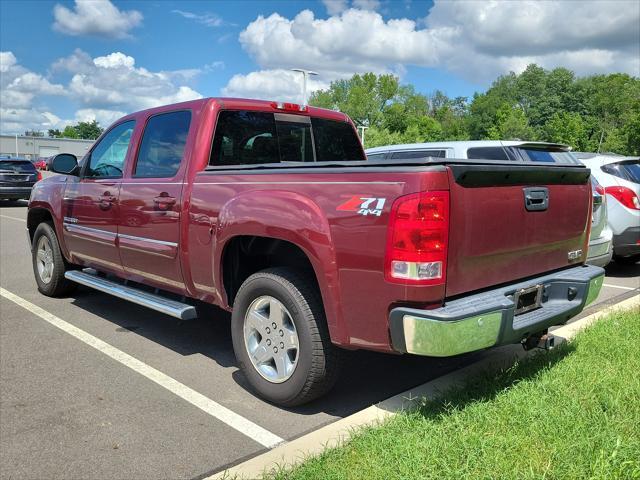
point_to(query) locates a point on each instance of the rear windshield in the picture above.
(547, 156)
(628, 170)
(250, 138)
(17, 166)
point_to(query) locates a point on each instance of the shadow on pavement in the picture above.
(622, 270)
(366, 377)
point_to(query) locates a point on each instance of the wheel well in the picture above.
(245, 255)
(35, 217)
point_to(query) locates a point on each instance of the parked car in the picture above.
(600, 250)
(620, 177)
(17, 177)
(271, 210)
(41, 163)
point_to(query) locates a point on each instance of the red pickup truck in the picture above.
(271, 210)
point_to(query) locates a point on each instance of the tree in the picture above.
(568, 128)
(88, 130)
(54, 133)
(33, 133)
(70, 132)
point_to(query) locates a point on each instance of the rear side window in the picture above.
(250, 138)
(417, 154)
(487, 153)
(629, 170)
(162, 146)
(375, 156)
(336, 141)
(245, 138)
(17, 166)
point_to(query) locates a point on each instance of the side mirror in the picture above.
(65, 163)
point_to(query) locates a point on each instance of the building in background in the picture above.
(33, 148)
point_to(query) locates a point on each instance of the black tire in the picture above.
(57, 285)
(318, 359)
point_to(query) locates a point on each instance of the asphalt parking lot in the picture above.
(71, 410)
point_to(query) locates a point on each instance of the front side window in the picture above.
(108, 156)
(162, 145)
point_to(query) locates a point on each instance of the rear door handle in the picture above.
(164, 201)
(536, 199)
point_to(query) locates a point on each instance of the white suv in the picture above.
(600, 250)
(620, 177)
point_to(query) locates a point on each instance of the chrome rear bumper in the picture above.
(488, 318)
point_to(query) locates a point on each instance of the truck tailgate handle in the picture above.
(536, 199)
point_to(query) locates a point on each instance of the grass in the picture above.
(572, 413)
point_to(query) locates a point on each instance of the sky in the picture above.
(67, 61)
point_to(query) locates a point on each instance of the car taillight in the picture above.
(625, 196)
(597, 187)
(39, 173)
(417, 239)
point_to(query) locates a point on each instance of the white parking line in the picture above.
(232, 419)
(13, 218)
(618, 286)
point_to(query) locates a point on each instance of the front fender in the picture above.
(48, 195)
(294, 218)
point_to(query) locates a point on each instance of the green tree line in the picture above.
(84, 130)
(594, 113)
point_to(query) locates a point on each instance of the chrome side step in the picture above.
(155, 302)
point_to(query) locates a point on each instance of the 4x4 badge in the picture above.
(363, 205)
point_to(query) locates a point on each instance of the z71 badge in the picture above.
(363, 205)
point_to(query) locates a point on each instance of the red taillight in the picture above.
(39, 176)
(597, 187)
(417, 239)
(290, 107)
(625, 196)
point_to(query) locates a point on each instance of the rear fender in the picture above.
(294, 218)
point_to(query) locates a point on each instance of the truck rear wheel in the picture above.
(280, 337)
(48, 263)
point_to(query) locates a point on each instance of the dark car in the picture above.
(17, 177)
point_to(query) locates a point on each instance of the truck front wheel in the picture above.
(48, 263)
(280, 337)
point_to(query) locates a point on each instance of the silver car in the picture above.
(620, 179)
(600, 250)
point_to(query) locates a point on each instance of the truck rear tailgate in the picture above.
(512, 222)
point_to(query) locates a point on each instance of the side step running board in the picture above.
(149, 300)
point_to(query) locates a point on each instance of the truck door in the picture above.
(151, 203)
(90, 205)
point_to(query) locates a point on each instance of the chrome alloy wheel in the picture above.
(271, 339)
(44, 260)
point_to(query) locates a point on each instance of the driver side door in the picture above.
(90, 207)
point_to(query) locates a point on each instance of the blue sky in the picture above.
(64, 61)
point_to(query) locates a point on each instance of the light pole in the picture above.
(305, 74)
(362, 133)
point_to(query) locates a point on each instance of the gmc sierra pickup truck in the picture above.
(270, 210)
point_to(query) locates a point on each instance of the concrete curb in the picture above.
(336, 433)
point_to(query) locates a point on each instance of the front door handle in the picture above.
(106, 200)
(164, 201)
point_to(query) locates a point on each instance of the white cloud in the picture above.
(207, 19)
(278, 85)
(334, 7)
(102, 116)
(477, 40)
(113, 82)
(103, 88)
(95, 17)
(366, 4)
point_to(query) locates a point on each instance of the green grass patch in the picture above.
(570, 413)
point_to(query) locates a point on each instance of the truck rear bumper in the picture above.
(488, 318)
